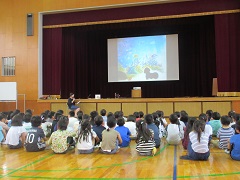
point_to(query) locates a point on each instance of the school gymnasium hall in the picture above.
(122, 55)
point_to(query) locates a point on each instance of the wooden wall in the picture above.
(15, 42)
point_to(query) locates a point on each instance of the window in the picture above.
(8, 66)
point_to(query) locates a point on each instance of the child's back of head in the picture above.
(199, 127)
(142, 131)
(120, 121)
(190, 123)
(111, 122)
(103, 112)
(27, 117)
(216, 116)
(36, 121)
(173, 118)
(98, 120)
(203, 117)
(148, 118)
(16, 120)
(225, 120)
(131, 118)
(63, 122)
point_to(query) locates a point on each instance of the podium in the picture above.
(136, 93)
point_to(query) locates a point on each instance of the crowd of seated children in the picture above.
(124, 132)
(110, 137)
(86, 138)
(234, 144)
(145, 139)
(146, 132)
(188, 129)
(61, 140)
(215, 123)
(35, 139)
(99, 127)
(174, 132)
(224, 133)
(198, 142)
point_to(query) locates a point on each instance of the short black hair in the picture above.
(27, 117)
(98, 120)
(131, 118)
(136, 114)
(237, 127)
(71, 113)
(111, 122)
(103, 112)
(178, 114)
(173, 118)
(86, 117)
(50, 114)
(110, 114)
(141, 114)
(63, 123)
(60, 111)
(56, 115)
(2, 116)
(216, 116)
(202, 117)
(36, 121)
(148, 118)
(117, 114)
(16, 120)
(225, 120)
(120, 121)
(184, 117)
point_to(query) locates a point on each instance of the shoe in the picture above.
(154, 151)
(227, 151)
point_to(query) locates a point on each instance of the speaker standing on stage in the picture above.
(71, 104)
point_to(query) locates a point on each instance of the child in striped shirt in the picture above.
(145, 139)
(198, 142)
(224, 133)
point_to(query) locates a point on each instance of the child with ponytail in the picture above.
(145, 139)
(86, 138)
(198, 142)
(110, 137)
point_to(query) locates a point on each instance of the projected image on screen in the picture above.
(140, 59)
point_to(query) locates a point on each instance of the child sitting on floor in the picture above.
(16, 134)
(188, 129)
(124, 132)
(145, 140)
(198, 143)
(234, 144)
(61, 139)
(110, 137)
(174, 132)
(35, 136)
(86, 138)
(224, 133)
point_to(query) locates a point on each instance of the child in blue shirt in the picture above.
(234, 143)
(124, 132)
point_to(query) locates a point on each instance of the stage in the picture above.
(193, 105)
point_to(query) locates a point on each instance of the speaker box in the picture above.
(29, 24)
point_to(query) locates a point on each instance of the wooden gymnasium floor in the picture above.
(18, 164)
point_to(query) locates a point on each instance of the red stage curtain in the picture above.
(227, 34)
(52, 61)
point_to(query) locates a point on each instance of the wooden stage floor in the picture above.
(18, 164)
